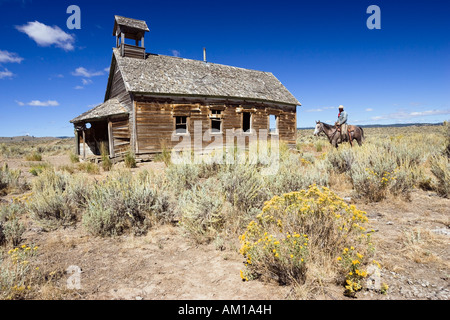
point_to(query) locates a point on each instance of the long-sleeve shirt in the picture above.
(343, 118)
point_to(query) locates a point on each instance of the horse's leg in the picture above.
(334, 142)
(359, 138)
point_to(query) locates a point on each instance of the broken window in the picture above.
(216, 121)
(273, 124)
(181, 124)
(246, 121)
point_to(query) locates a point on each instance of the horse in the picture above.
(334, 136)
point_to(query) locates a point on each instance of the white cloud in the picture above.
(46, 36)
(79, 87)
(369, 109)
(83, 72)
(6, 74)
(106, 69)
(320, 109)
(9, 57)
(175, 53)
(86, 81)
(404, 115)
(38, 103)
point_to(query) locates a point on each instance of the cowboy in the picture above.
(342, 122)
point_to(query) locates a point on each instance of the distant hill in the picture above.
(28, 138)
(390, 125)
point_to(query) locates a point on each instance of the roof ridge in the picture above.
(163, 74)
(199, 61)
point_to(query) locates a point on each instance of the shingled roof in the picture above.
(108, 108)
(166, 75)
(128, 22)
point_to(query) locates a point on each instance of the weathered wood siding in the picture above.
(155, 123)
(121, 135)
(132, 51)
(118, 89)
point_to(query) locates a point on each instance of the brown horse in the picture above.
(334, 136)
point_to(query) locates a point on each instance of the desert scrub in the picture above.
(440, 167)
(106, 161)
(129, 160)
(123, 202)
(36, 169)
(18, 273)
(294, 174)
(56, 198)
(351, 263)
(182, 176)
(74, 158)
(11, 229)
(316, 220)
(243, 186)
(374, 171)
(202, 210)
(35, 156)
(88, 167)
(11, 180)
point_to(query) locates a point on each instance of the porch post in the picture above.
(84, 144)
(110, 140)
(77, 143)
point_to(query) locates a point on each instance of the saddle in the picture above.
(338, 128)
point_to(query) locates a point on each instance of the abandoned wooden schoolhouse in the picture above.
(150, 98)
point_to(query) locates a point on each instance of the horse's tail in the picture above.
(362, 134)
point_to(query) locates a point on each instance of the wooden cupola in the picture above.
(130, 29)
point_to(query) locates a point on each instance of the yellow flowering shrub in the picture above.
(296, 227)
(18, 272)
(351, 263)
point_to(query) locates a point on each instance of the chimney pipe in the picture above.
(204, 55)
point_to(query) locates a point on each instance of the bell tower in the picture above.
(127, 28)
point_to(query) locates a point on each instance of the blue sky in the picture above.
(322, 51)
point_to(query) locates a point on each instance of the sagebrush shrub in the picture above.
(35, 156)
(375, 171)
(294, 174)
(243, 186)
(56, 198)
(202, 210)
(11, 229)
(52, 208)
(129, 160)
(440, 167)
(124, 202)
(182, 176)
(106, 161)
(11, 180)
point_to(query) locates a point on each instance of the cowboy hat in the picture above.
(341, 107)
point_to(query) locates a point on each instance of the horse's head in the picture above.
(319, 128)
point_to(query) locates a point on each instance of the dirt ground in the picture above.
(412, 244)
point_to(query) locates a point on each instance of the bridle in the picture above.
(321, 129)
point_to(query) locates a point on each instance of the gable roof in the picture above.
(165, 75)
(108, 108)
(128, 22)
